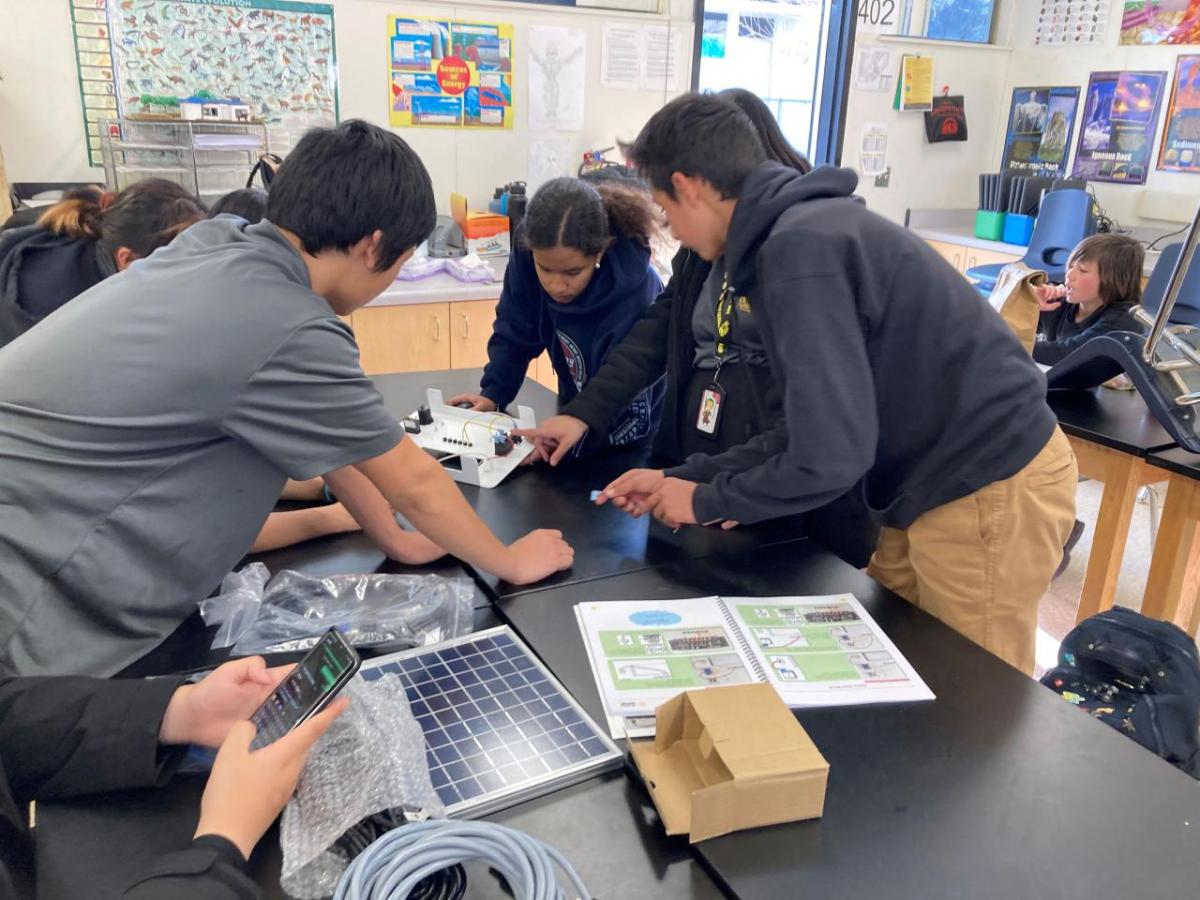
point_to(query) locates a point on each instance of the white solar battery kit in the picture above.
(473, 447)
(499, 728)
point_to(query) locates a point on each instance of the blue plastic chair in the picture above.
(1187, 305)
(1064, 220)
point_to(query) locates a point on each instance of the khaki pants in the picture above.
(982, 563)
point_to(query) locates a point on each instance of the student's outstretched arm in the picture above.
(375, 515)
(516, 337)
(413, 482)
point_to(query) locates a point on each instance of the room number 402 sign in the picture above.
(877, 16)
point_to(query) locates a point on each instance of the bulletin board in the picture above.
(450, 74)
(278, 57)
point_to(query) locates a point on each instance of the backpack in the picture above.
(264, 170)
(1137, 675)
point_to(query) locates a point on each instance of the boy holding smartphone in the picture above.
(64, 737)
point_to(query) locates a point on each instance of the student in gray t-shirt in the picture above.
(147, 428)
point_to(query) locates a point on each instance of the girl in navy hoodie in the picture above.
(578, 279)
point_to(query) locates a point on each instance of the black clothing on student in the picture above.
(40, 271)
(65, 736)
(665, 338)
(896, 374)
(1059, 335)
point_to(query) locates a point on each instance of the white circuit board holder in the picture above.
(467, 432)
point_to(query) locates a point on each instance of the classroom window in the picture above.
(779, 49)
(949, 20)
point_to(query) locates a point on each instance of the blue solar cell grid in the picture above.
(498, 728)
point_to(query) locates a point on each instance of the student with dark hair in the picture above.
(677, 336)
(80, 241)
(895, 376)
(29, 215)
(578, 280)
(247, 203)
(68, 737)
(1104, 280)
(220, 360)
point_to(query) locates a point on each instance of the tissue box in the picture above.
(486, 233)
(728, 758)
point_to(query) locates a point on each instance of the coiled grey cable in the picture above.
(392, 866)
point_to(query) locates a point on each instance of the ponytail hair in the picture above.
(769, 132)
(570, 212)
(143, 217)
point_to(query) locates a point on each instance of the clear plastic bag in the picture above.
(371, 759)
(471, 269)
(292, 611)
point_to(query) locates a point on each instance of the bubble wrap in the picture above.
(371, 759)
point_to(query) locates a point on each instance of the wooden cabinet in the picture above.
(470, 328)
(545, 372)
(403, 338)
(964, 258)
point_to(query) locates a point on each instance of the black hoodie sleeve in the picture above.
(212, 868)
(827, 440)
(1049, 352)
(638, 361)
(516, 336)
(66, 736)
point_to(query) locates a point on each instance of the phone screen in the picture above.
(314, 682)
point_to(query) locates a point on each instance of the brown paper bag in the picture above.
(6, 209)
(1016, 301)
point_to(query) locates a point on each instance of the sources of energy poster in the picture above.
(1116, 129)
(1040, 121)
(450, 74)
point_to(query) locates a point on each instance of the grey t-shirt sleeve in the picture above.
(309, 408)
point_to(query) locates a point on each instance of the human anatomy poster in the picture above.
(1116, 128)
(556, 78)
(450, 74)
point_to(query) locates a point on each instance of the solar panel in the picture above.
(499, 728)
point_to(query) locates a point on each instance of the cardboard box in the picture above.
(728, 758)
(486, 233)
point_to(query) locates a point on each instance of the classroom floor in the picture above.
(1057, 613)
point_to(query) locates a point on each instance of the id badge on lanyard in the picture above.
(712, 398)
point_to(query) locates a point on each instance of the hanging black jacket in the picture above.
(40, 271)
(65, 736)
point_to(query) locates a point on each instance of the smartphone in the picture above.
(308, 689)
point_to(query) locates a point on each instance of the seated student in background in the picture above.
(79, 242)
(895, 375)
(247, 203)
(147, 430)
(29, 215)
(68, 737)
(677, 337)
(1104, 279)
(578, 279)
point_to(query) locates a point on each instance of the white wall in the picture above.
(1031, 64)
(944, 175)
(925, 175)
(41, 126)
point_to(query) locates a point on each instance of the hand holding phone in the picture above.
(311, 686)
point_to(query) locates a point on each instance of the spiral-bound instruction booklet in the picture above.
(815, 651)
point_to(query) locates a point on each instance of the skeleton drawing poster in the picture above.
(276, 56)
(1040, 121)
(449, 74)
(556, 76)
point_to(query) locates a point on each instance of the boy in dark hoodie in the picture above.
(578, 280)
(893, 372)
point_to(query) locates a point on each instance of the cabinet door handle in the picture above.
(466, 326)
(437, 326)
(958, 261)
(971, 262)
